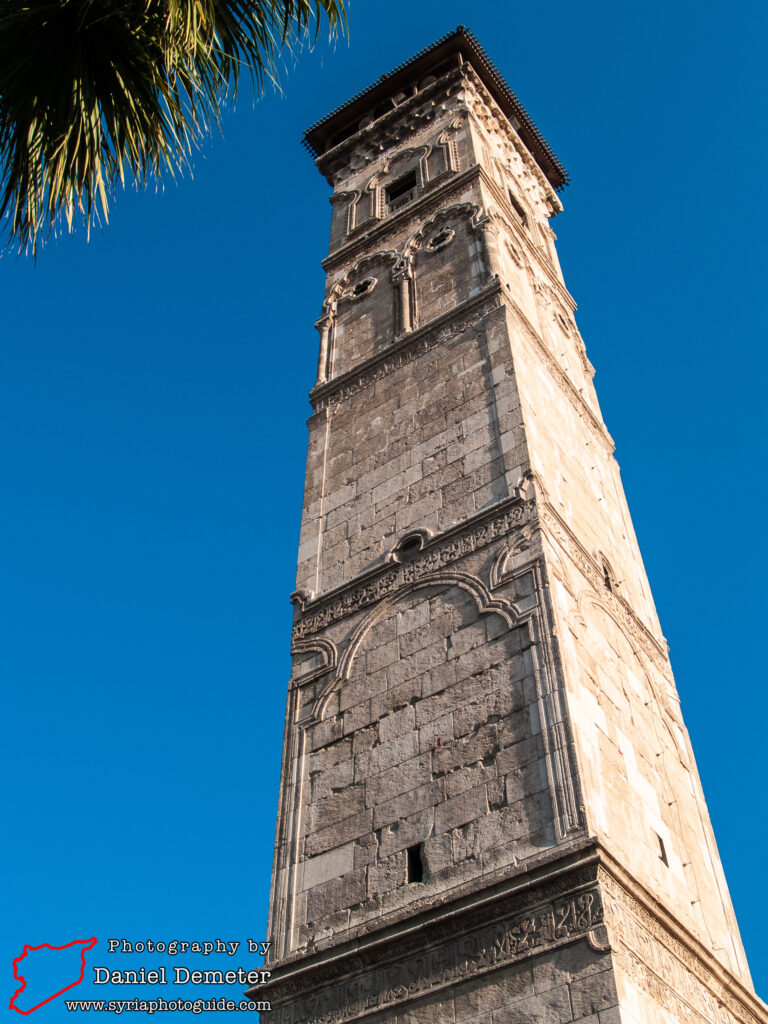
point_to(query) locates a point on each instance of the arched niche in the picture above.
(364, 319)
(446, 242)
(428, 734)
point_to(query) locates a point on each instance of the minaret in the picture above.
(489, 810)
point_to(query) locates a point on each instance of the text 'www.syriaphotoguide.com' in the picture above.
(165, 1005)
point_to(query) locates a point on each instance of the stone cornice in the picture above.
(458, 52)
(407, 347)
(548, 905)
(577, 892)
(369, 587)
(385, 131)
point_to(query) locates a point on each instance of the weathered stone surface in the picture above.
(481, 693)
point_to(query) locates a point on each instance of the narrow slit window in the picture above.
(516, 206)
(608, 577)
(663, 852)
(402, 190)
(414, 864)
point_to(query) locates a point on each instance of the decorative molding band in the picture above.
(438, 552)
(561, 533)
(367, 144)
(439, 955)
(407, 348)
(665, 961)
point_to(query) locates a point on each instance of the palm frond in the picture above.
(97, 92)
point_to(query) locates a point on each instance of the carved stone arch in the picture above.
(372, 202)
(355, 334)
(502, 569)
(417, 152)
(341, 289)
(485, 602)
(446, 240)
(416, 241)
(326, 661)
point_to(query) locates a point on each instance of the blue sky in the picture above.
(153, 404)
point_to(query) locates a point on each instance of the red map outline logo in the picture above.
(85, 943)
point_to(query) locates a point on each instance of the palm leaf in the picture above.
(97, 92)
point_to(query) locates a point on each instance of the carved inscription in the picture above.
(481, 950)
(398, 576)
(668, 971)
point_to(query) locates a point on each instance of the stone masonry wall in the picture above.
(480, 686)
(434, 739)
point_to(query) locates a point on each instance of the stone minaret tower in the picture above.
(490, 810)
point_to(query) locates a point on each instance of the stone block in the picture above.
(328, 865)
(403, 777)
(335, 777)
(357, 717)
(337, 835)
(499, 989)
(436, 733)
(466, 778)
(324, 733)
(380, 658)
(438, 679)
(366, 850)
(577, 961)
(338, 806)
(550, 1007)
(406, 832)
(397, 724)
(365, 738)
(385, 755)
(336, 895)
(593, 994)
(409, 803)
(466, 807)
(330, 755)
(408, 619)
(399, 694)
(481, 746)
(386, 875)
(361, 686)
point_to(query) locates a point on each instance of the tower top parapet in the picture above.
(451, 51)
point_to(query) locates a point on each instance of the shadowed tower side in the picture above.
(489, 806)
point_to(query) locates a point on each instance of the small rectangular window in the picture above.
(415, 864)
(402, 190)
